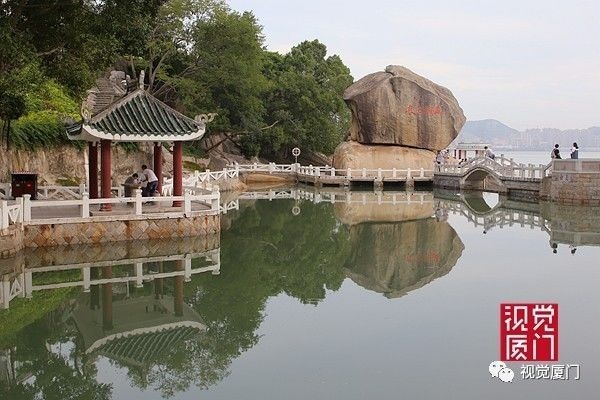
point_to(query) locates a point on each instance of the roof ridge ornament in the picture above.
(205, 118)
(85, 112)
(141, 79)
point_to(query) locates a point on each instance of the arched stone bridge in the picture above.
(501, 175)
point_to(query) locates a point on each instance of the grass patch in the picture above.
(192, 166)
(67, 181)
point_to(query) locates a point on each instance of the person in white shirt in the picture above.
(149, 176)
(489, 153)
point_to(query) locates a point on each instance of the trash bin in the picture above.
(24, 183)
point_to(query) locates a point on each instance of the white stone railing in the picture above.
(56, 192)
(209, 202)
(364, 173)
(200, 180)
(268, 168)
(502, 166)
(11, 214)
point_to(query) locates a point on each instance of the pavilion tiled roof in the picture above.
(137, 117)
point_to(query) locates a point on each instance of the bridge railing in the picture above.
(502, 166)
(364, 173)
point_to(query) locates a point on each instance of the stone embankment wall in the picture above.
(15, 238)
(113, 231)
(575, 182)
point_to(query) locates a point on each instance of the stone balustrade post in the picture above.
(214, 204)
(85, 205)
(26, 208)
(187, 276)
(138, 202)
(187, 204)
(4, 214)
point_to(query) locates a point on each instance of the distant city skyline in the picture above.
(529, 64)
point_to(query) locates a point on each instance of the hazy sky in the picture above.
(527, 63)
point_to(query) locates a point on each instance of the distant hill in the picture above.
(502, 136)
(487, 130)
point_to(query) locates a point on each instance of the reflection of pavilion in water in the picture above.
(79, 266)
(132, 307)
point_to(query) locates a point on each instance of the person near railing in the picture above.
(152, 181)
(131, 183)
(488, 153)
(555, 154)
(575, 151)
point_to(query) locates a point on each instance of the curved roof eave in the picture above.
(91, 134)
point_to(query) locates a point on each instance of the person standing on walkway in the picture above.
(575, 151)
(489, 153)
(149, 176)
(555, 154)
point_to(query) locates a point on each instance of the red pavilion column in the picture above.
(177, 172)
(105, 159)
(158, 165)
(93, 169)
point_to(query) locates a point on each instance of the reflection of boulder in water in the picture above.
(396, 258)
(404, 210)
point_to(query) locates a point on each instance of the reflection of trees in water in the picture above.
(52, 363)
(267, 251)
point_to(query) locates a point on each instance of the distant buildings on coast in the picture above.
(503, 137)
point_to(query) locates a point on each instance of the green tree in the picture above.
(305, 99)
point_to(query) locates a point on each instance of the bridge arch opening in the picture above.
(483, 179)
(481, 202)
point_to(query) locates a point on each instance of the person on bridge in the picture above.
(489, 153)
(440, 158)
(149, 176)
(575, 151)
(555, 154)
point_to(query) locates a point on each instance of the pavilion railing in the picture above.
(56, 192)
(11, 214)
(193, 204)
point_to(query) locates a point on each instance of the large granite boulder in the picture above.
(402, 108)
(354, 155)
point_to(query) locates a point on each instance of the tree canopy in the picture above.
(199, 56)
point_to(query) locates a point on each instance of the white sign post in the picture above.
(296, 153)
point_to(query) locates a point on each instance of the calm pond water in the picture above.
(305, 300)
